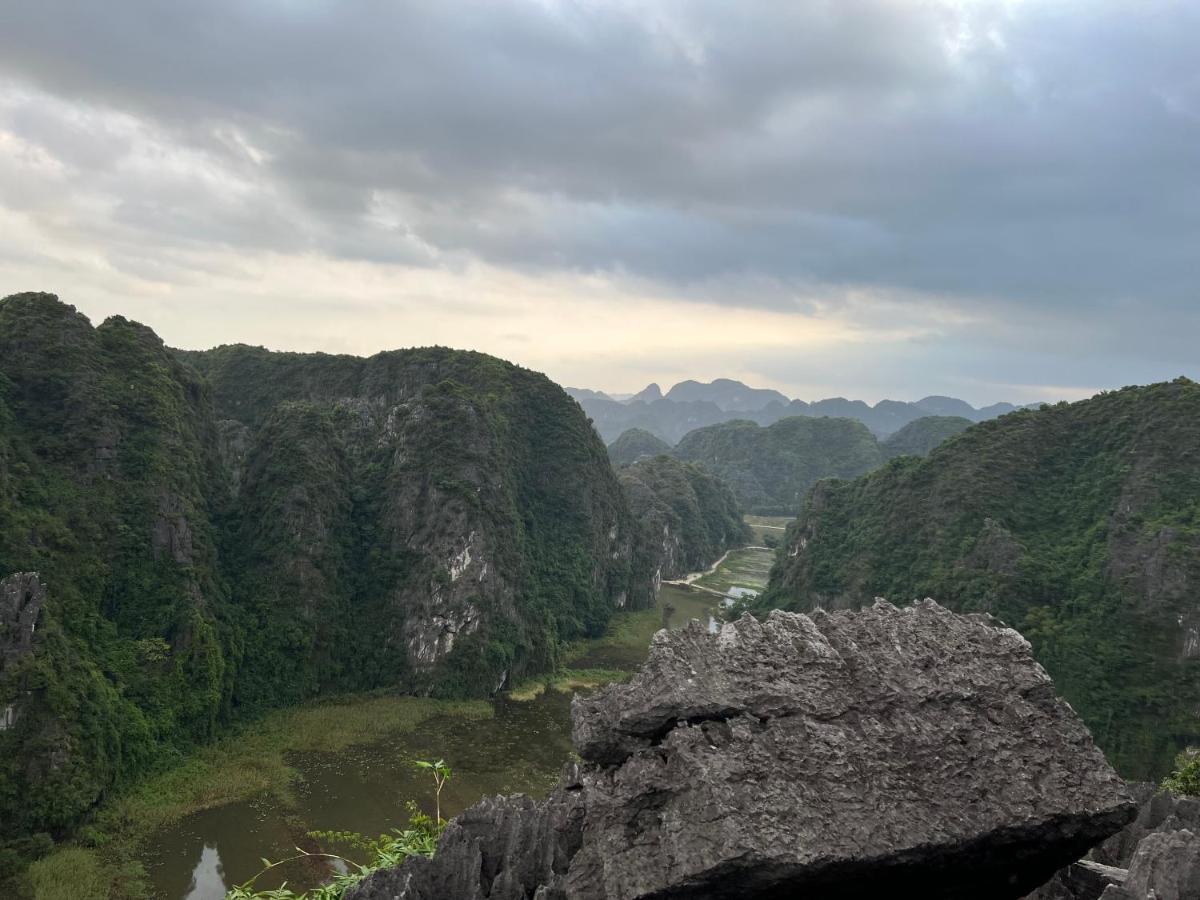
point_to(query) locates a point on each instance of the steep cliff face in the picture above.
(1077, 524)
(687, 517)
(106, 441)
(213, 544)
(771, 468)
(454, 512)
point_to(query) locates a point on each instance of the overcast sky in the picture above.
(868, 198)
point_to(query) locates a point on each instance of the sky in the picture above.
(865, 198)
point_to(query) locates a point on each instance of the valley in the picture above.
(242, 592)
(347, 764)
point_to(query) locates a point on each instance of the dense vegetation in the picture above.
(634, 445)
(1078, 524)
(919, 437)
(769, 469)
(688, 518)
(223, 532)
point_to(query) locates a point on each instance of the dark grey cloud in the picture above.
(1004, 156)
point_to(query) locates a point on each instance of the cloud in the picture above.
(1012, 164)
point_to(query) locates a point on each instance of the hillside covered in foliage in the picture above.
(218, 533)
(635, 445)
(919, 437)
(1078, 524)
(688, 518)
(769, 469)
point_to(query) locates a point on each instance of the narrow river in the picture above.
(520, 747)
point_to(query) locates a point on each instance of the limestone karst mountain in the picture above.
(220, 532)
(1078, 524)
(692, 404)
(920, 436)
(635, 445)
(771, 468)
(687, 517)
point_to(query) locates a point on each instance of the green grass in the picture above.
(568, 680)
(748, 568)
(768, 527)
(72, 874)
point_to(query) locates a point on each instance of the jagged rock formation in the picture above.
(687, 518)
(635, 445)
(1155, 857)
(770, 469)
(914, 752)
(225, 531)
(1074, 524)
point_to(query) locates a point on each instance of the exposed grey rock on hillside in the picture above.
(911, 751)
(21, 599)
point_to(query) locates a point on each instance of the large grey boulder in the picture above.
(912, 751)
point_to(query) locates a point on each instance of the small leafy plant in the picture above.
(1185, 779)
(383, 852)
(441, 774)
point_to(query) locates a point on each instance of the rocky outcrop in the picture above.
(1155, 857)
(822, 755)
(21, 599)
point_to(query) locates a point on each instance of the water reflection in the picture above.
(208, 877)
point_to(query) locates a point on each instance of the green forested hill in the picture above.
(108, 460)
(1077, 524)
(770, 468)
(687, 516)
(226, 531)
(919, 437)
(636, 444)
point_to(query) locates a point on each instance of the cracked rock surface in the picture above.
(824, 755)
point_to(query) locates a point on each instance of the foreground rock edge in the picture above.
(817, 753)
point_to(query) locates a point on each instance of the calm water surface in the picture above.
(521, 748)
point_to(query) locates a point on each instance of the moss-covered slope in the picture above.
(1078, 524)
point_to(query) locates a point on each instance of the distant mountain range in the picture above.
(692, 404)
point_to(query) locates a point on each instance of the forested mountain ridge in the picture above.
(220, 532)
(687, 516)
(1078, 524)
